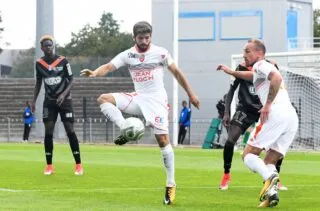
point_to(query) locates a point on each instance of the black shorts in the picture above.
(244, 119)
(51, 110)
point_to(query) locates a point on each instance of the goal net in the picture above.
(301, 73)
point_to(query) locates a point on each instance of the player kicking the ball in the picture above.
(278, 121)
(146, 63)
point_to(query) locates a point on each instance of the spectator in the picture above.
(221, 106)
(28, 119)
(184, 121)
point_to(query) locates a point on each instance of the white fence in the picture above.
(96, 130)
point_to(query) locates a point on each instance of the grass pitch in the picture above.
(133, 178)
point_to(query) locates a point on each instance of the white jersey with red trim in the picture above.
(261, 83)
(146, 68)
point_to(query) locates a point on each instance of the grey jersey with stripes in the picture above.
(56, 78)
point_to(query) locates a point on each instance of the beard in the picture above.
(143, 48)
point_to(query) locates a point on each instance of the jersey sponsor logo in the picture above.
(159, 119)
(53, 80)
(132, 55)
(252, 90)
(142, 76)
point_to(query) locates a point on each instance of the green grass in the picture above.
(133, 178)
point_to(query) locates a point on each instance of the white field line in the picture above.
(8, 190)
(137, 188)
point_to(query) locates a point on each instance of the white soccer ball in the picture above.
(132, 129)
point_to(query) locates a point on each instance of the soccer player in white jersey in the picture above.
(146, 63)
(278, 121)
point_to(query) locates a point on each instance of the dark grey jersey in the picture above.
(56, 74)
(248, 99)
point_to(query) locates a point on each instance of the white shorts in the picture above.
(277, 132)
(154, 108)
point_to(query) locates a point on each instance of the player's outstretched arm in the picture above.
(37, 88)
(246, 75)
(100, 71)
(178, 74)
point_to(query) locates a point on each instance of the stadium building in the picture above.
(211, 31)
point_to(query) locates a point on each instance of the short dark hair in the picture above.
(142, 27)
(258, 44)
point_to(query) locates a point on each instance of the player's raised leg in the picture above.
(108, 107)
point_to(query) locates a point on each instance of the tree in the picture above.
(98, 45)
(89, 48)
(316, 27)
(105, 40)
(1, 30)
(23, 66)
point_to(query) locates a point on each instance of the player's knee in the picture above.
(104, 98)
(162, 139)
(229, 144)
(48, 137)
(68, 126)
(251, 150)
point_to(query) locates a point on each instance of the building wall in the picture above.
(7, 56)
(199, 58)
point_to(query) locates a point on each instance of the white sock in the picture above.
(272, 168)
(168, 160)
(273, 190)
(257, 165)
(113, 113)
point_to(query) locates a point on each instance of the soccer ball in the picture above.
(132, 129)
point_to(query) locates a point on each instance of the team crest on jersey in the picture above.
(141, 58)
(56, 69)
(163, 56)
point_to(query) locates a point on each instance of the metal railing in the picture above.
(101, 131)
(304, 43)
(96, 130)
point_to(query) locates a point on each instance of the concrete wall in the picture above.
(198, 58)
